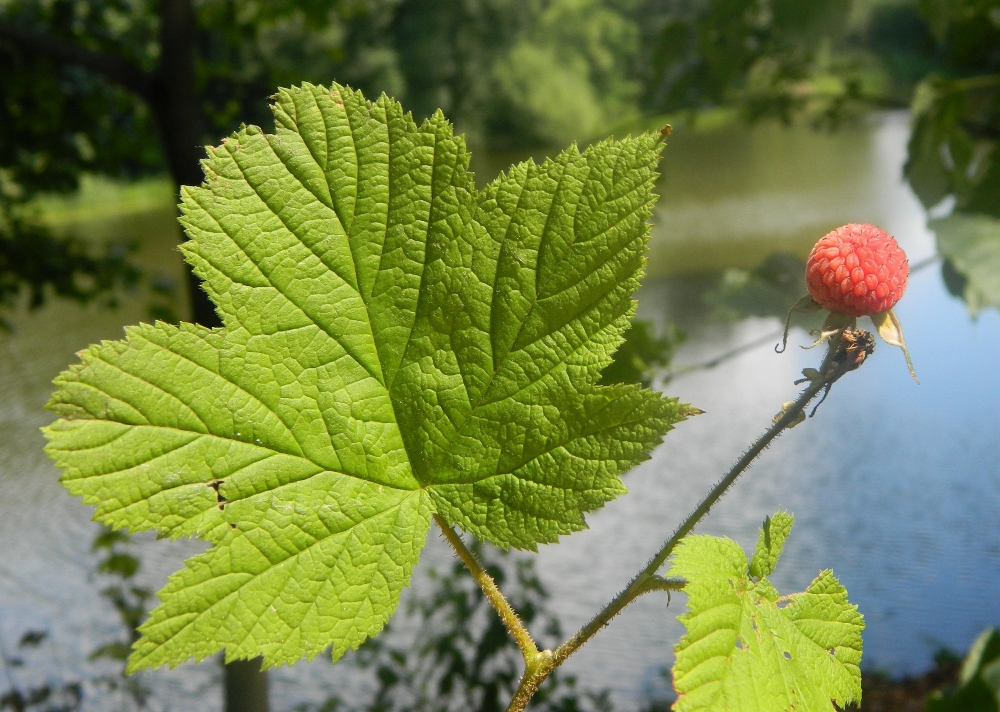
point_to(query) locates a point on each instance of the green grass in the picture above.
(101, 198)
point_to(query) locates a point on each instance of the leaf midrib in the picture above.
(421, 292)
(208, 432)
(377, 376)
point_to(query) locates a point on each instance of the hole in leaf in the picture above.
(788, 655)
(216, 484)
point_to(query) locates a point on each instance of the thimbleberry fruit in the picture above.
(857, 270)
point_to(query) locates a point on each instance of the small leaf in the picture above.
(984, 650)
(747, 648)
(991, 678)
(32, 638)
(833, 325)
(978, 687)
(771, 542)
(891, 331)
(971, 245)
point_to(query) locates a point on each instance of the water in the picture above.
(895, 486)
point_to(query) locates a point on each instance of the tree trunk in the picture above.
(246, 686)
(175, 105)
(174, 102)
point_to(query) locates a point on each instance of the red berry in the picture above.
(857, 270)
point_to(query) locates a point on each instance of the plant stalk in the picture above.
(647, 579)
(517, 630)
(540, 664)
(642, 582)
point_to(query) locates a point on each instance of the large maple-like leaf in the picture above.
(395, 344)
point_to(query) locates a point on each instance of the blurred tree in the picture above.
(86, 84)
(572, 74)
(828, 59)
(757, 53)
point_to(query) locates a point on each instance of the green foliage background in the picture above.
(85, 85)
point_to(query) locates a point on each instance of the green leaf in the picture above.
(395, 344)
(770, 543)
(971, 245)
(978, 687)
(748, 648)
(642, 354)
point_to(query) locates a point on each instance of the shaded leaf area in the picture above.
(769, 289)
(395, 343)
(642, 354)
(750, 648)
(978, 686)
(952, 152)
(956, 109)
(970, 245)
(953, 156)
(739, 50)
(450, 652)
(36, 261)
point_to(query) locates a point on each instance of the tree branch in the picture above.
(116, 69)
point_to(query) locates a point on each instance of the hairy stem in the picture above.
(538, 665)
(529, 650)
(640, 584)
(647, 580)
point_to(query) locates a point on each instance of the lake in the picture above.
(895, 486)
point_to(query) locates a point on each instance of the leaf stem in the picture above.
(517, 630)
(540, 664)
(643, 581)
